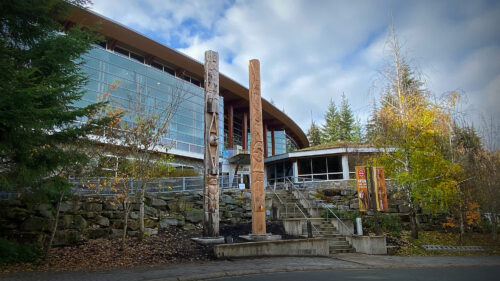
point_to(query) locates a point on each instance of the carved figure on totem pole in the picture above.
(256, 151)
(211, 160)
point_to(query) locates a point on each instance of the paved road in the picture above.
(485, 273)
(240, 267)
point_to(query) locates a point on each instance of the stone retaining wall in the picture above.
(342, 196)
(85, 218)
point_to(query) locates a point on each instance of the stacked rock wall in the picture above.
(83, 218)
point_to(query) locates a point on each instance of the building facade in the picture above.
(149, 74)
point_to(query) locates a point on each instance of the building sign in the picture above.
(380, 189)
(362, 184)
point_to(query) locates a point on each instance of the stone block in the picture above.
(134, 215)
(116, 233)
(343, 208)
(150, 211)
(91, 215)
(347, 192)
(133, 233)
(133, 225)
(194, 216)
(189, 226)
(18, 214)
(68, 237)
(155, 202)
(93, 207)
(102, 221)
(150, 223)
(168, 222)
(45, 210)
(354, 205)
(228, 199)
(173, 205)
(97, 233)
(186, 205)
(36, 224)
(166, 198)
(113, 206)
(150, 231)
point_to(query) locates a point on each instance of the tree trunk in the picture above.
(125, 222)
(413, 224)
(54, 229)
(462, 225)
(376, 222)
(141, 214)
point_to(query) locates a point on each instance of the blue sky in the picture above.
(312, 51)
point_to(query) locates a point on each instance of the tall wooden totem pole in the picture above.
(256, 151)
(211, 161)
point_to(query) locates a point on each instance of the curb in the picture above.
(233, 273)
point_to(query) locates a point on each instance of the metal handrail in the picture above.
(322, 205)
(295, 206)
(281, 202)
(298, 192)
(330, 211)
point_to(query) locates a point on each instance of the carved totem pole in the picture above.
(256, 151)
(211, 160)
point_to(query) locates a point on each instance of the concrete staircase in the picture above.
(291, 207)
(288, 208)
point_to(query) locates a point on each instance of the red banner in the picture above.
(362, 184)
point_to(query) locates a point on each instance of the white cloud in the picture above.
(311, 51)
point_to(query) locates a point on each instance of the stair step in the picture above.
(338, 243)
(334, 251)
(337, 248)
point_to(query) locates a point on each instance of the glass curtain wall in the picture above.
(278, 172)
(320, 168)
(147, 88)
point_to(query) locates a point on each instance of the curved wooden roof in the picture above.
(232, 91)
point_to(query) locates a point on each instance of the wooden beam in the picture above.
(230, 124)
(179, 72)
(149, 59)
(244, 129)
(111, 44)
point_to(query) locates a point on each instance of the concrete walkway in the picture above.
(227, 268)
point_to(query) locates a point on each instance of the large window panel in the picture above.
(335, 168)
(319, 168)
(304, 166)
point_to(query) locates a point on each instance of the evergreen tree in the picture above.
(346, 121)
(357, 132)
(373, 125)
(330, 131)
(314, 135)
(40, 82)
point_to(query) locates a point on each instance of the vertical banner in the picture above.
(380, 189)
(361, 183)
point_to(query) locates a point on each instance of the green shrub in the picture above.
(392, 224)
(11, 252)
(388, 223)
